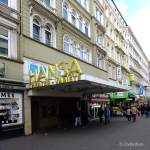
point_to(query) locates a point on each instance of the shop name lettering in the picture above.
(6, 95)
(59, 73)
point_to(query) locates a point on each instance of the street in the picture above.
(119, 134)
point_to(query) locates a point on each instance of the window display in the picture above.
(11, 108)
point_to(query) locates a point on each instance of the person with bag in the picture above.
(134, 111)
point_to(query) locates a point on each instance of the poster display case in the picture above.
(11, 108)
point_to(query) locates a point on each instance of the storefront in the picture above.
(11, 106)
(96, 104)
(55, 92)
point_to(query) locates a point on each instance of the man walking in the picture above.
(100, 114)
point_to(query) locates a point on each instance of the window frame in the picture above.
(39, 27)
(8, 41)
(65, 9)
(67, 42)
(50, 32)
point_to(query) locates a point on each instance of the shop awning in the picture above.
(131, 95)
(87, 84)
(100, 100)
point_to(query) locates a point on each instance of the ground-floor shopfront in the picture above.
(50, 112)
(55, 92)
(11, 107)
(53, 112)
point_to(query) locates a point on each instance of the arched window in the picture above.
(65, 11)
(49, 35)
(87, 55)
(73, 17)
(36, 29)
(80, 23)
(81, 52)
(66, 44)
(74, 49)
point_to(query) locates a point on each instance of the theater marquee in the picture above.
(39, 74)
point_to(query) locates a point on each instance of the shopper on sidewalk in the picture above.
(100, 114)
(134, 111)
(107, 115)
(128, 113)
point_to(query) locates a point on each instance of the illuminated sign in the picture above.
(132, 77)
(43, 75)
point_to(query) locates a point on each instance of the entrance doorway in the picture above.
(50, 112)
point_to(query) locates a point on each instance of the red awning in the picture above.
(100, 100)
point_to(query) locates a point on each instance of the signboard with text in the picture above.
(39, 74)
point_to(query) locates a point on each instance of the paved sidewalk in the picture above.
(119, 135)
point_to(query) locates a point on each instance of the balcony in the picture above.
(9, 13)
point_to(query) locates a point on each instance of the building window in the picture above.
(85, 3)
(74, 49)
(65, 11)
(98, 15)
(48, 35)
(3, 41)
(86, 55)
(99, 38)
(73, 17)
(80, 23)
(86, 28)
(101, 61)
(36, 29)
(4, 2)
(81, 52)
(66, 44)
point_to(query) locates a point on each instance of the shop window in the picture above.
(11, 109)
(3, 41)
(36, 29)
(4, 2)
(65, 11)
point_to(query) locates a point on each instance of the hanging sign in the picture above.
(43, 75)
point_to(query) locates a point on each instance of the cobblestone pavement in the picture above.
(118, 135)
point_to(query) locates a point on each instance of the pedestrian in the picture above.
(77, 118)
(107, 115)
(84, 118)
(100, 114)
(128, 113)
(134, 111)
(142, 110)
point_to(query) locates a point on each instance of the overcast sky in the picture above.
(137, 14)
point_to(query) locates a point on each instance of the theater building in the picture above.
(55, 54)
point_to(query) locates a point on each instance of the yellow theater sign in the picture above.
(62, 72)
